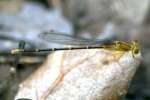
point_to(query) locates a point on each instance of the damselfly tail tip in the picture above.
(15, 51)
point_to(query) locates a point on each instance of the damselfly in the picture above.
(82, 43)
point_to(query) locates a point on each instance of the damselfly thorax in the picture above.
(81, 43)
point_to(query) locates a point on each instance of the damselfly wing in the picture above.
(62, 38)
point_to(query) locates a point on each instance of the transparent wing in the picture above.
(70, 40)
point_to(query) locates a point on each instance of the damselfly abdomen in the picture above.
(73, 42)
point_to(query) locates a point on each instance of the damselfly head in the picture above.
(124, 46)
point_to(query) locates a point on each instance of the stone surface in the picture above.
(95, 74)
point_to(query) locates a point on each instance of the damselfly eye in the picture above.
(135, 47)
(136, 51)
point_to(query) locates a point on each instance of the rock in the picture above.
(94, 74)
